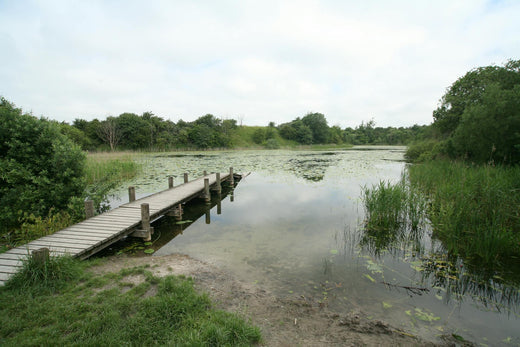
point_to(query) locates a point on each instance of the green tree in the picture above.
(490, 130)
(258, 136)
(318, 125)
(469, 90)
(40, 168)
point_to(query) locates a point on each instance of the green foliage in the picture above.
(110, 310)
(394, 213)
(40, 169)
(318, 125)
(104, 173)
(476, 211)
(479, 116)
(272, 144)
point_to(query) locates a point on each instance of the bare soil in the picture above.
(284, 321)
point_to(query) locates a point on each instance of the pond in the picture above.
(294, 226)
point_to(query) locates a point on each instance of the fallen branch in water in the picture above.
(413, 290)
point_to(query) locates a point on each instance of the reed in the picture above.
(114, 166)
(474, 210)
(394, 215)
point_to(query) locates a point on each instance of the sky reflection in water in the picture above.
(293, 228)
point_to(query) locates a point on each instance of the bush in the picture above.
(40, 168)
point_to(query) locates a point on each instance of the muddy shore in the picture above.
(289, 321)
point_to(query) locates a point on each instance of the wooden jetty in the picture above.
(132, 219)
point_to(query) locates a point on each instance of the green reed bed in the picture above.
(475, 210)
(394, 213)
(65, 303)
(116, 166)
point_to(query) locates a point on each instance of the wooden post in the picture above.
(218, 188)
(219, 204)
(231, 178)
(185, 177)
(170, 182)
(207, 195)
(232, 195)
(131, 194)
(89, 209)
(208, 216)
(205, 173)
(178, 216)
(145, 221)
(41, 255)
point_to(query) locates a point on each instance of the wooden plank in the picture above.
(9, 269)
(107, 222)
(4, 277)
(54, 250)
(63, 239)
(92, 228)
(54, 245)
(75, 235)
(12, 256)
(11, 262)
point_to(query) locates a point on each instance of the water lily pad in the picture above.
(149, 251)
(333, 251)
(425, 316)
(148, 243)
(374, 267)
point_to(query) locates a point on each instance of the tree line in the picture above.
(130, 131)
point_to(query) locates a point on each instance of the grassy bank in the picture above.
(66, 303)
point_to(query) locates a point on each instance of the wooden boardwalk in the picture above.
(92, 235)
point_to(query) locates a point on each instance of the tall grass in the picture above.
(475, 210)
(104, 172)
(394, 214)
(115, 166)
(36, 276)
(110, 310)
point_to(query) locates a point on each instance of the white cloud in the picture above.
(263, 61)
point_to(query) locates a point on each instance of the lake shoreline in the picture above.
(283, 321)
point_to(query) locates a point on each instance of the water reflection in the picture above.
(303, 238)
(493, 287)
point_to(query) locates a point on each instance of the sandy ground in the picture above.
(284, 322)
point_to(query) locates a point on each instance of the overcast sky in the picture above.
(254, 61)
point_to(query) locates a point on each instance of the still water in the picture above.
(294, 226)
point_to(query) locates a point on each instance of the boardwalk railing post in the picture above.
(145, 221)
(219, 204)
(208, 216)
(89, 209)
(41, 255)
(185, 177)
(205, 173)
(218, 188)
(131, 194)
(207, 196)
(231, 178)
(170, 182)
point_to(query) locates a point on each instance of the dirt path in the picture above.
(284, 322)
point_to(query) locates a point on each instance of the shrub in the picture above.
(40, 168)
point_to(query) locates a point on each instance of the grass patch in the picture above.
(114, 166)
(92, 309)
